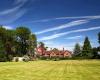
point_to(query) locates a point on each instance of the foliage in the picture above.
(41, 44)
(15, 42)
(87, 49)
(22, 36)
(95, 53)
(99, 37)
(20, 42)
(3, 57)
(6, 41)
(32, 42)
(2, 34)
(77, 50)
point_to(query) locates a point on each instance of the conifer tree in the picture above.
(77, 50)
(99, 37)
(87, 49)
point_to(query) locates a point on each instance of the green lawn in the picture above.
(51, 70)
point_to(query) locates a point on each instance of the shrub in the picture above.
(9, 57)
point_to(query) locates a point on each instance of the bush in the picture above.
(9, 57)
(43, 58)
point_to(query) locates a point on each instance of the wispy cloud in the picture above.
(12, 17)
(12, 14)
(69, 32)
(70, 24)
(74, 37)
(17, 7)
(65, 18)
(80, 17)
(19, 1)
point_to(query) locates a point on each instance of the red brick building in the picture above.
(41, 51)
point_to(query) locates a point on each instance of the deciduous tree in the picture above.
(22, 36)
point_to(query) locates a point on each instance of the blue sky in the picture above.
(57, 23)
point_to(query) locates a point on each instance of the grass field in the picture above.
(51, 70)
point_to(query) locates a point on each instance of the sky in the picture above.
(57, 23)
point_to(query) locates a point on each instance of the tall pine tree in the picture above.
(99, 37)
(87, 49)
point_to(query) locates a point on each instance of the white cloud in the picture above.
(62, 18)
(12, 14)
(12, 17)
(17, 7)
(69, 32)
(80, 17)
(8, 27)
(70, 24)
(74, 37)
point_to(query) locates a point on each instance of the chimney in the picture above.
(63, 49)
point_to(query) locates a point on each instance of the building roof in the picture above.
(42, 51)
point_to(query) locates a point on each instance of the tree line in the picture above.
(21, 41)
(86, 51)
(16, 42)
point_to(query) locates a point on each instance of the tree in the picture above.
(32, 44)
(6, 40)
(3, 56)
(18, 41)
(2, 52)
(2, 34)
(98, 48)
(9, 43)
(46, 48)
(33, 38)
(77, 50)
(22, 36)
(99, 37)
(87, 49)
(41, 44)
(95, 53)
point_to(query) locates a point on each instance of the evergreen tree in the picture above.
(98, 48)
(87, 50)
(99, 37)
(77, 50)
